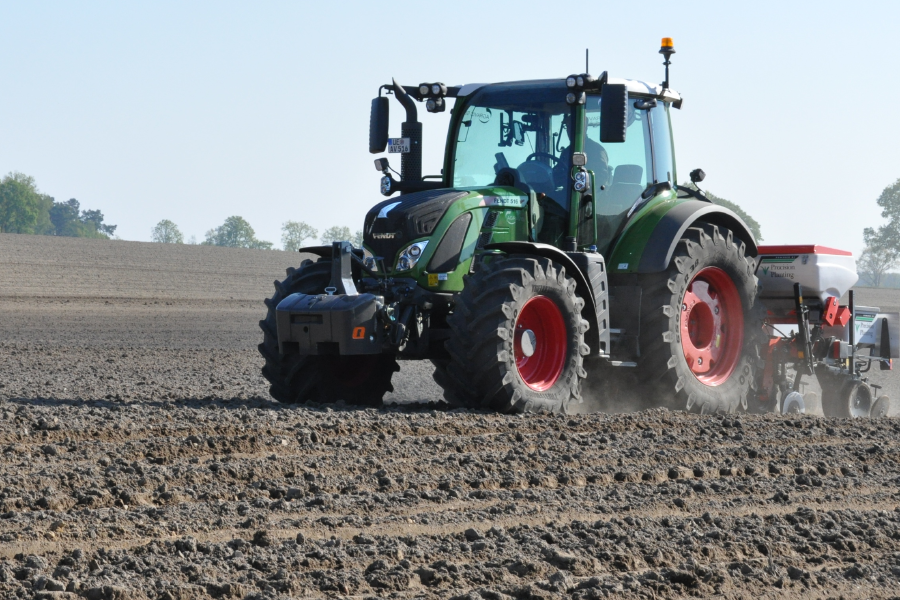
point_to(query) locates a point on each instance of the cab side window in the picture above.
(664, 157)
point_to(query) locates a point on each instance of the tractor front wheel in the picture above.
(701, 325)
(297, 378)
(517, 339)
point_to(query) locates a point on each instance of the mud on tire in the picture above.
(701, 325)
(517, 339)
(297, 378)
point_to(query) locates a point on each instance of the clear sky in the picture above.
(195, 111)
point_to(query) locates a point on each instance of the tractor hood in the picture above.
(391, 225)
(394, 224)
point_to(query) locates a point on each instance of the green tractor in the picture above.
(554, 246)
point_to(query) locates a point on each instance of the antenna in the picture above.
(586, 69)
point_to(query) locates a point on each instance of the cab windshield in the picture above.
(516, 135)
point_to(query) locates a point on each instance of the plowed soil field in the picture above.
(140, 457)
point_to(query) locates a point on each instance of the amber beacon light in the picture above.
(667, 49)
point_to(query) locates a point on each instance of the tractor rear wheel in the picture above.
(517, 339)
(296, 377)
(701, 325)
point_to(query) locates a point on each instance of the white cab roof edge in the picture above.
(468, 88)
(633, 86)
(641, 87)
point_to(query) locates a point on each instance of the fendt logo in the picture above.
(385, 236)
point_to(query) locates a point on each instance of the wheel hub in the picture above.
(712, 326)
(540, 346)
(528, 342)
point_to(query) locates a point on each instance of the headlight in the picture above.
(369, 260)
(410, 256)
(570, 81)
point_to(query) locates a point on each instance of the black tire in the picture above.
(708, 262)
(851, 400)
(484, 346)
(297, 378)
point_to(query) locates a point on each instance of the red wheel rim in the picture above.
(540, 344)
(712, 326)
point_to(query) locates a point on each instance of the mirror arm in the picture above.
(698, 194)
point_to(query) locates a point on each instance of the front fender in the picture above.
(649, 248)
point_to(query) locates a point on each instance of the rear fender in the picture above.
(590, 284)
(657, 245)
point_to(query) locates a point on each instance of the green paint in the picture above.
(511, 224)
(626, 254)
(575, 197)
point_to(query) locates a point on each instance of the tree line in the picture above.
(236, 232)
(24, 209)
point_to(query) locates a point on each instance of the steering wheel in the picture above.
(535, 155)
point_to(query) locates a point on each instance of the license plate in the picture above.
(398, 145)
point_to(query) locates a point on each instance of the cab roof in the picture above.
(633, 86)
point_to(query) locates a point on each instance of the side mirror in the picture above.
(613, 113)
(378, 124)
(697, 175)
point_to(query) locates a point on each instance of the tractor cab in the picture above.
(586, 152)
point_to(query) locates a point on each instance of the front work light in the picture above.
(369, 260)
(581, 181)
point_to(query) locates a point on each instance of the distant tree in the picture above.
(336, 234)
(878, 258)
(357, 239)
(889, 201)
(882, 251)
(192, 240)
(750, 221)
(69, 220)
(295, 233)
(95, 218)
(22, 208)
(235, 232)
(64, 216)
(167, 232)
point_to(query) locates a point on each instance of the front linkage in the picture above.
(380, 316)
